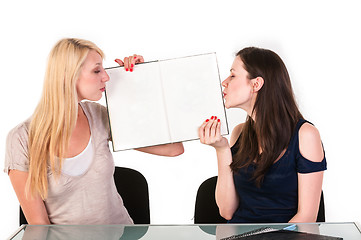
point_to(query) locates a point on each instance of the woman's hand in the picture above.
(210, 133)
(129, 62)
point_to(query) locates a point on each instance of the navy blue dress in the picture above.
(276, 201)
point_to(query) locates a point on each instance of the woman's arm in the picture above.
(226, 195)
(33, 207)
(309, 193)
(170, 150)
(309, 184)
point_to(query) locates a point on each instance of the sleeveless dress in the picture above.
(276, 201)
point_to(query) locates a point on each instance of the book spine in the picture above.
(164, 101)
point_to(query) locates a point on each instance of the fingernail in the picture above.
(126, 69)
(131, 69)
(132, 65)
(219, 120)
(207, 120)
(135, 57)
(215, 118)
(212, 117)
(115, 60)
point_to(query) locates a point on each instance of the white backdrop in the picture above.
(318, 40)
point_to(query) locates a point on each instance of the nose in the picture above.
(105, 77)
(225, 82)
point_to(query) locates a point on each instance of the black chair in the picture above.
(207, 211)
(133, 188)
(22, 219)
(321, 210)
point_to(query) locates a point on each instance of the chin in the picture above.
(94, 99)
(227, 105)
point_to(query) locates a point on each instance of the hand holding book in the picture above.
(129, 62)
(210, 133)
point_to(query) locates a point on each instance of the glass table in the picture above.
(348, 231)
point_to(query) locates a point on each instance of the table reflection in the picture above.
(349, 231)
(91, 232)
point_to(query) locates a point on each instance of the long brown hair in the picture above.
(275, 113)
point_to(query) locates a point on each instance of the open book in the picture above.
(163, 101)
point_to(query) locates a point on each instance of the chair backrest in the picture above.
(133, 188)
(321, 210)
(207, 211)
(22, 219)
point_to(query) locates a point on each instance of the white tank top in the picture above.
(77, 165)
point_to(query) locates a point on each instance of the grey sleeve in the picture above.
(16, 152)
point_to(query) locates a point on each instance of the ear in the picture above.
(257, 83)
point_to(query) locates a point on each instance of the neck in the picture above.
(80, 111)
(252, 115)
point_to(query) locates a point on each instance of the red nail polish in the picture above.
(219, 120)
(207, 120)
(126, 69)
(131, 70)
(135, 57)
(212, 117)
(132, 65)
(115, 60)
(215, 118)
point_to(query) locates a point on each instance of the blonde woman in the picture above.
(58, 160)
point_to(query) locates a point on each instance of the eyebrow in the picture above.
(96, 65)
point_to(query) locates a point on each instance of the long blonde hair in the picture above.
(55, 116)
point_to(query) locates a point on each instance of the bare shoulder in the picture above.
(310, 143)
(235, 133)
(309, 132)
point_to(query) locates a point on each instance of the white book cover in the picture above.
(163, 101)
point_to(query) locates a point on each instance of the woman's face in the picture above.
(92, 78)
(238, 88)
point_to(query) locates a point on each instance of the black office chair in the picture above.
(133, 188)
(207, 211)
(22, 219)
(321, 210)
